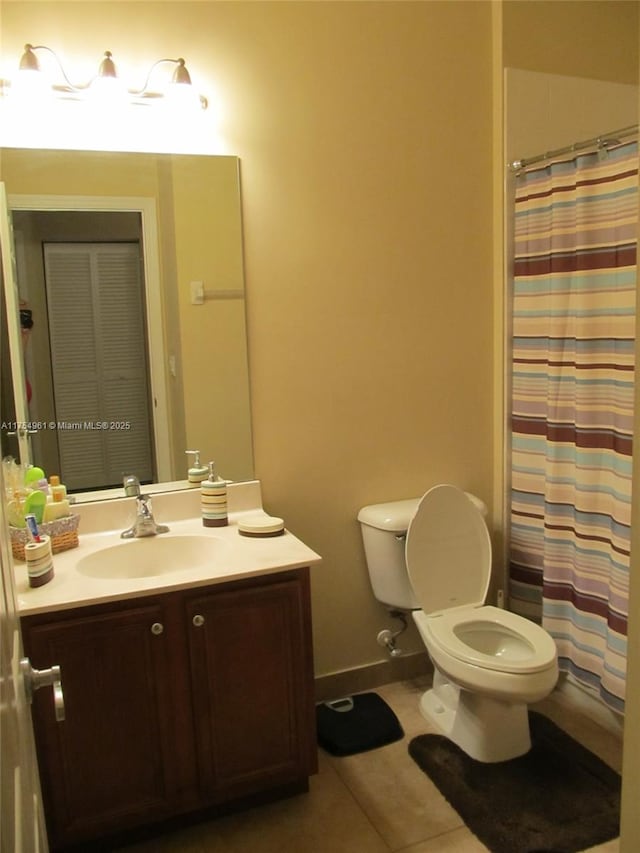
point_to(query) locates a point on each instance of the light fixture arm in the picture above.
(180, 76)
(145, 86)
(29, 62)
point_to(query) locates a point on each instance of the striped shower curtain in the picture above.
(572, 408)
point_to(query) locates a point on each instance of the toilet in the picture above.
(432, 556)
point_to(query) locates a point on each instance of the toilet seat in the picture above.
(492, 638)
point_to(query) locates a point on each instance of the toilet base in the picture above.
(485, 728)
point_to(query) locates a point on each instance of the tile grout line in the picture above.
(356, 800)
(431, 838)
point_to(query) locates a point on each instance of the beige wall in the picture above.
(579, 38)
(364, 132)
(547, 111)
(368, 250)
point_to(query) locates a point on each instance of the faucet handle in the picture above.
(131, 485)
(144, 524)
(143, 503)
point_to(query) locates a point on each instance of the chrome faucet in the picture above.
(145, 523)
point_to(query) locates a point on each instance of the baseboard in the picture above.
(348, 681)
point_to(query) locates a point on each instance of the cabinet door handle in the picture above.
(157, 628)
(198, 620)
(34, 679)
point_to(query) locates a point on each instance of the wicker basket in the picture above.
(63, 533)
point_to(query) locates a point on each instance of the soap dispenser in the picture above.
(213, 500)
(197, 472)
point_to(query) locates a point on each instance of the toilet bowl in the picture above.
(488, 663)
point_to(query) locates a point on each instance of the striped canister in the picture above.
(39, 560)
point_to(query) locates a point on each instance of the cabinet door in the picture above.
(252, 677)
(107, 766)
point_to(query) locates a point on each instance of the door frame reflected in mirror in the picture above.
(10, 308)
(145, 208)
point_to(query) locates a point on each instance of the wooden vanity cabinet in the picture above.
(176, 703)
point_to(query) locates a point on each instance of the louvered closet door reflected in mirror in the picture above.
(99, 357)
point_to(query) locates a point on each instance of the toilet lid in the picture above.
(448, 551)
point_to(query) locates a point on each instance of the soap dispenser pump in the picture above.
(213, 500)
(197, 472)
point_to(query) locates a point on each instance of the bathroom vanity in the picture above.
(193, 696)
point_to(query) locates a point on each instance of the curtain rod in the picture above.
(600, 142)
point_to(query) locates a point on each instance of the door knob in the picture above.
(34, 679)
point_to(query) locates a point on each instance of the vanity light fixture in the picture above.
(106, 82)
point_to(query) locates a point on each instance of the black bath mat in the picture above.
(356, 724)
(559, 797)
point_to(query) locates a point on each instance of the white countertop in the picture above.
(233, 557)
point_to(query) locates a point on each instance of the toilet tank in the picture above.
(384, 528)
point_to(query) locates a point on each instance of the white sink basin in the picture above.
(151, 556)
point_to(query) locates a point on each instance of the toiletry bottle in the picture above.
(35, 503)
(34, 478)
(57, 490)
(213, 499)
(56, 509)
(15, 510)
(197, 472)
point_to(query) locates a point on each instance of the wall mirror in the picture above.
(128, 279)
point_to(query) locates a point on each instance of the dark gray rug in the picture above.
(558, 798)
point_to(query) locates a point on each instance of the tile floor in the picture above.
(375, 802)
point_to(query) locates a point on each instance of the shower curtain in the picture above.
(572, 408)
